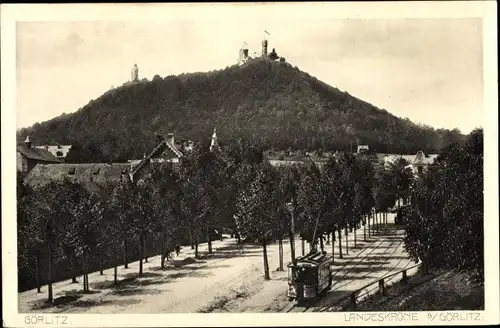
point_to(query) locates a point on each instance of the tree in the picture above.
(257, 209)
(311, 200)
(167, 224)
(289, 184)
(364, 201)
(29, 237)
(445, 226)
(120, 206)
(45, 227)
(401, 177)
(346, 211)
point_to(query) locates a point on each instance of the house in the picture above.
(28, 156)
(93, 176)
(96, 176)
(363, 148)
(166, 151)
(58, 151)
(417, 163)
(423, 162)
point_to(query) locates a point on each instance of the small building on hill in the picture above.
(28, 157)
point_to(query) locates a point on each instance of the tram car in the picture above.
(309, 277)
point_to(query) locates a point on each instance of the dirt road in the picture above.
(229, 280)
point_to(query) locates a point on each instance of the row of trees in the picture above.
(446, 222)
(232, 188)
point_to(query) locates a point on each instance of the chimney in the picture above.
(27, 142)
(159, 137)
(170, 138)
(264, 47)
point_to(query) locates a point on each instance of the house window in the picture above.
(71, 171)
(420, 169)
(59, 153)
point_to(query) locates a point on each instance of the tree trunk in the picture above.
(101, 272)
(84, 267)
(266, 264)
(303, 246)
(191, 239)
(116, 273)
(292, 246)
(333, 245)
(355, 230)
(49, 274)
(145, 248)
(125, 255)
(280, 243)
(37, 264)
(162, 260)
(321, 243)
(196, 248)
(346, 242)
(327, 239)
(364, 229)
(368, 221)
(209, 240)
(141, 256)
(73, 267)
(340, 243)
(239, 238)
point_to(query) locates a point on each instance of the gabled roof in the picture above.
(419, 159)
(165, 148)
(92, 176)
(36, 154)
(55, 149)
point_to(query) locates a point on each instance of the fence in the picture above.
(380, 286)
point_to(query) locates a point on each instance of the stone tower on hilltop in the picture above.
(134, 76)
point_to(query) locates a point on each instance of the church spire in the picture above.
(214, 143)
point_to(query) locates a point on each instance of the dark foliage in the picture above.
(266, 102)
(445, 227)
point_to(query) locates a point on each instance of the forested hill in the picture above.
(269, 102)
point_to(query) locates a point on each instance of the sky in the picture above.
(429, 70)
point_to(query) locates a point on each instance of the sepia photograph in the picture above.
(267, 158)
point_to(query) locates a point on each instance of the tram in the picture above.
(309, 276)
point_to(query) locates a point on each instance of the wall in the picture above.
(22, 163)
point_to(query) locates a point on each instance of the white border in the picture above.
(12, 13)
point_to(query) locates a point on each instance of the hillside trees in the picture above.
(263, 102)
